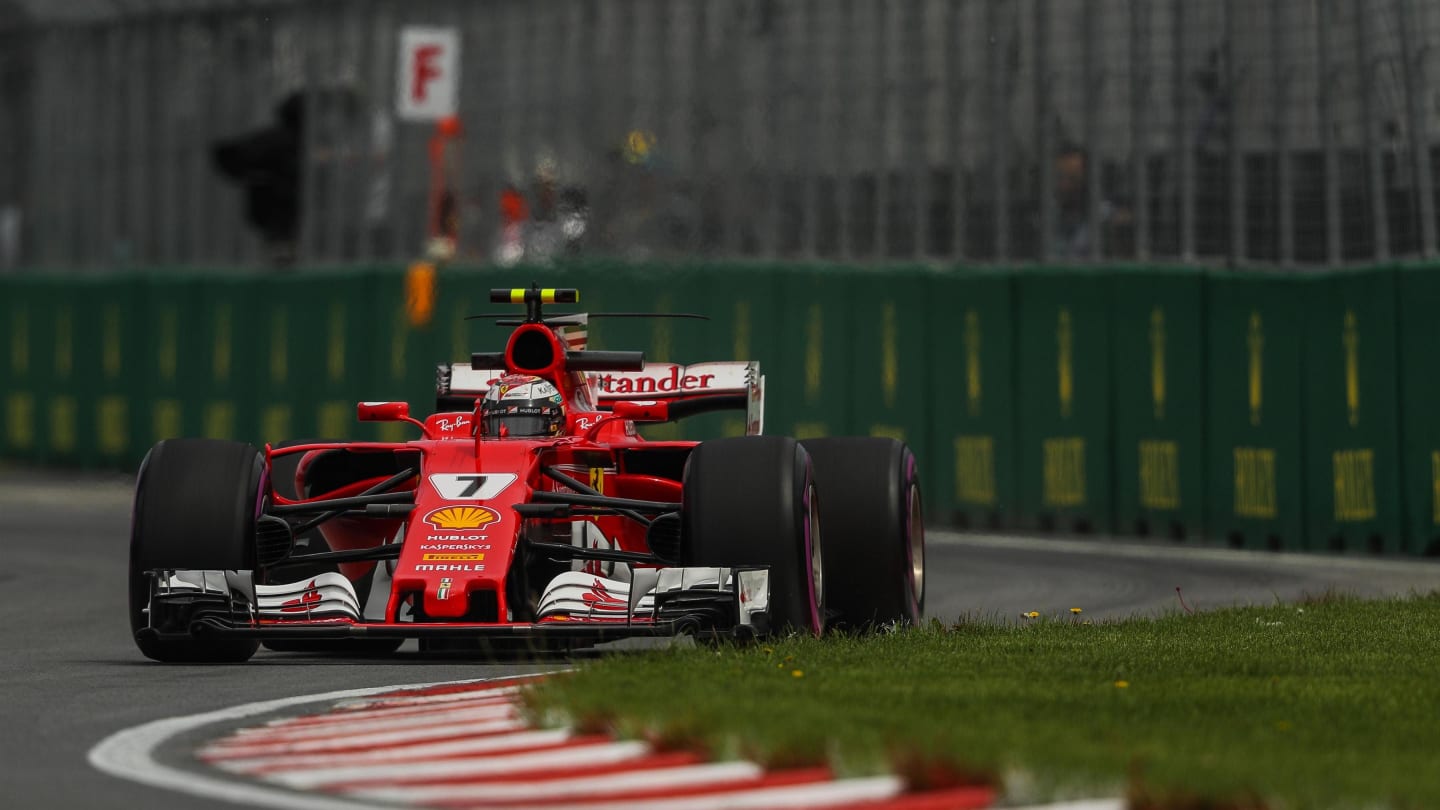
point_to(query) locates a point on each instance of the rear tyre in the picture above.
(196, 501)
(874, 530)
(751, 500)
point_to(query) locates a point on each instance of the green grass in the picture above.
(1334, 703)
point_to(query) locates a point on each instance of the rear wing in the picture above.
(727, 384)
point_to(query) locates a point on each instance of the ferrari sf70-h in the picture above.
(527, 514)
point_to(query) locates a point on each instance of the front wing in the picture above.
(576, 610)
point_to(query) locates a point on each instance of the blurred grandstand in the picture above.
(1245, 132)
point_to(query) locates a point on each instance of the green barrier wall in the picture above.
(1158, 359)
(972, 412)
(1351, 413)
(1418, 292)
(1265, 410)
(20, 394)
(1255, 323)
(1062, 318)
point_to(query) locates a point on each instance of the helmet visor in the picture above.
(518, 424)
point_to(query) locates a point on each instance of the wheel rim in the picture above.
(817, 574)
(916, 532)
(815, 584)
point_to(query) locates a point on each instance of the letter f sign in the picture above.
(428, 68)
(424, 71)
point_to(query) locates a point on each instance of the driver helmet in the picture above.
(521, 405)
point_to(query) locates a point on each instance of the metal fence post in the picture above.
(1285, 171)
(1140, 108)
(1376, 163)
(915, 69)
(879, 129)
(959, 85)
(1045, 132)
(1325, 71)
(1095, 79)
(999, 87)
(1235, 160)
(1413, 56)
(1184, 140)
(815, 130)
(845, 171)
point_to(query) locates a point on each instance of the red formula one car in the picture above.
(529, 515)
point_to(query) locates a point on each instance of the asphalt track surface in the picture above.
(71, 675)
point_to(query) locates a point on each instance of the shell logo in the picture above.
(461, 517)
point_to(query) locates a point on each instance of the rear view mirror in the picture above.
(654, 411)
(382, 411)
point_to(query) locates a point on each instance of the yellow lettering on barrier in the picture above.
(169, 345)
(275, 423)
(1255, 341)
(975, 470)
(811, 430)
(279, 346)
(112, 425)
(1350, 338)
(394, 431)
(814, 353)
(663, 431)
(335, 357)
(1159, 474)
(1255, 482)
(459, 330)
(662, 334)
(1435, 487)
(974, 390)
(20, 420)
(890, 354)
(1064, 471)
(732, 426)
(1354, 473)
(334, 419)
(63, 412)
(110, 348)
(64, 343)
(166, 419)
(1157, 362)
(888, 432)
(742, 330)
(219, 420)
(400, 337)
(1064, 362)
(20, 341)
(221, 351)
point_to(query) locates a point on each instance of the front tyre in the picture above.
(874, 530)
(751, 500)
(196, 502)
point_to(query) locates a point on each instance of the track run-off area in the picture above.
(73, 683)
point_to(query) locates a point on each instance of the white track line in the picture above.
(698, 776)
(449, 748)
(346, 716)
(314, 731)
(828, 794)
(366, 740)
(421, 700)
(1129, 547)
(1086, 804)
(589, 754)
(130, 754)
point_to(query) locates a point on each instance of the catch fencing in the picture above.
(1279, 132)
